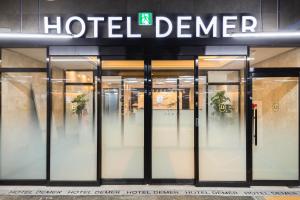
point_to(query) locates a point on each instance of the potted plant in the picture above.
(221, 104)
(79, 105)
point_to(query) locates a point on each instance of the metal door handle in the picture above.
(255, 126)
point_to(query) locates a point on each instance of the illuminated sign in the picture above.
(145, 19)
(179, 27)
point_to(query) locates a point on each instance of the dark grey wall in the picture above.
(27, 15)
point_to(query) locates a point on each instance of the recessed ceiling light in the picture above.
(33, 36)
(266, 35)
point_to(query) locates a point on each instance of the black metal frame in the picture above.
(126, 181)
(245, 183)
(147, 122)
(161, 181)
(196, 120)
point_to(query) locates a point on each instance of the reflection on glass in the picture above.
(223, 76)
(275, 157)
(122, 119)
(23, 58)
(172, 119)
(222, 143)
(73, 137)
(23, 126)
(274, 57)
(79, 76)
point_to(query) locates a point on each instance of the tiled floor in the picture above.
(124, 198)
(146, 198)
(147, 192)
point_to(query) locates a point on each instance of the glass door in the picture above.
(172, 119)
(222, 132)
(275, 144)
(122, 121)
(73, 127)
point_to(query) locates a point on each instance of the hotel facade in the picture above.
(193, 92)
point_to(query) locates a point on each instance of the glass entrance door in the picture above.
(222, 132)
(172, 119)
(73, 128)
(275, 127)
(122, 104)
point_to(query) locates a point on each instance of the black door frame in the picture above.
(248, 160)
(49, 119)
(162, 181)
(119, 181)
(272, 72)
(148, 126)
(147, 121)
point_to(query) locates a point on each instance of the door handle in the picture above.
(255, 125)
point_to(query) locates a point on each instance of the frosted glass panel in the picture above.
(275, 157)
(222, 146)
(122, 120)
(74, 146)
(23, 126)
(222, 135)
(172, 123)
(73, 130)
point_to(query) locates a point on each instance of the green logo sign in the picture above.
(145, 19)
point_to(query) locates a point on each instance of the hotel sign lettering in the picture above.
(164, 27)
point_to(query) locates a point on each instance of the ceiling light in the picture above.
(266, 34)
(169, 81)
(131, 81)
(224, 59)
(33, 36)
(69, 60)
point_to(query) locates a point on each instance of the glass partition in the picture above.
(222, 134)
(173, 119)
(276, 138)
(23, 125)
(122, 119)
(73, 132)
(23, 114)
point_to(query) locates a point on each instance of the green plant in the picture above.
(220, 103)
(79, 104)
